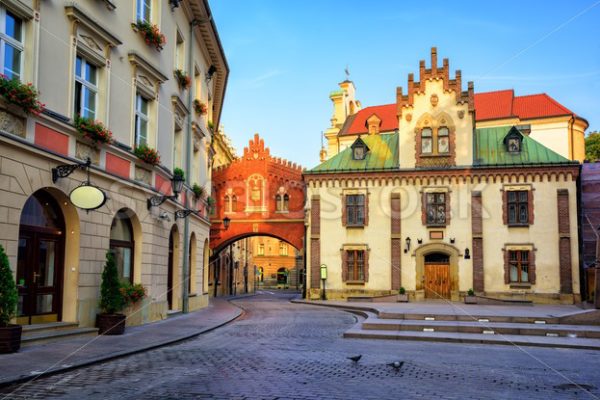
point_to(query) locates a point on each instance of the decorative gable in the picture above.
(373, 123)
(147, 78)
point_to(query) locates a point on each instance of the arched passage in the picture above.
(173, 269)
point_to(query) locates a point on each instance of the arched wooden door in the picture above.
(40, 260)
(437, 276)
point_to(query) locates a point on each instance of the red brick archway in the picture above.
(262, 195)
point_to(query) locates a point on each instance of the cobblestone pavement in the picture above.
(279, 350)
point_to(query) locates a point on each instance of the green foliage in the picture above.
(21, 94)
(470, 292)
(179, 173)
(132, 293)
(9, 295)
(592, 146)
(199, 191)
(402, 290)
(111, 299)
(93, 130)
(147, 154)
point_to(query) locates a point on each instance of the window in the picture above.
(358, 153)
(442, 139)
(261, 249)
(426, 141)
(86, 88)
(283, 249)
(143, 10)
(355, 265)
(286, 202)
(436, 208)
(122, 245)
(141, 120)
(282, 202)
(11, 44)
(230, 203)
(355, 210)
(518, 261)
(514, 145)
(518, 207)
(179, 52)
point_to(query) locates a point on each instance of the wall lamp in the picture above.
(176, 186)
(174, 4)
(211, 71)
(407, 247)
(226, 222)
(452, 240)
(419, 241)
(85, 196)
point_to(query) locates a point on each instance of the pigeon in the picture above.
(355, 358)
(397, 365)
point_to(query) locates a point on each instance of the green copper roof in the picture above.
(383, 154)
(491, 150)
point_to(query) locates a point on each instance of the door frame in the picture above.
(454, 255)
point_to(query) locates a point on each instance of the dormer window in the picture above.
(359, 150)
(513, 141)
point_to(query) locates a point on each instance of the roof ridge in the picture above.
(497, 91)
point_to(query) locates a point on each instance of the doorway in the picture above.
(437, 276)
(40, 260)
(170, 271)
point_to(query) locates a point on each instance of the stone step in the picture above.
(469, 317)
(41, 336)
(173, 313)
(476, 327)
(481, 338)
(50, 326)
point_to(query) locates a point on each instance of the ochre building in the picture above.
(419, 195)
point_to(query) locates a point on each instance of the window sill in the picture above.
(516, 285)
(518, 225)
(436, 226)
(355, 282)
(355, 226)
(192, 294)
(427, 155)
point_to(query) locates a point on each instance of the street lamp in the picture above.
(176, 186)
(323, 279)
(85, 196)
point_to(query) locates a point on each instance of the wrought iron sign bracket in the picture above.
(62, 171)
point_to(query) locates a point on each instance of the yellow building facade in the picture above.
(93, 59)
(432, 203)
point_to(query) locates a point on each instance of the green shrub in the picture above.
(9, 295)
(111, 299)
(179, 173)
(470, 292)
(402, 290)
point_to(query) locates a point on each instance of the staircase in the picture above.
(508, 330)
(54, 331)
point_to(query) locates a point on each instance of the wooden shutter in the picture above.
(532, 266)
(506, 267)
(344, 265)
(447, 207)
(505, 206)
(366, 210)
(530, 206)
(366, 264)
(344, 211)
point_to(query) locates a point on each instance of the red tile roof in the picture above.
(386, 112)
(488, 106)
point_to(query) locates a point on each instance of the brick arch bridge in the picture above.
(262, 195)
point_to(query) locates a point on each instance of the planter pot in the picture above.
(470, 299)
(10, 338)
(110, 324)
(403, 298)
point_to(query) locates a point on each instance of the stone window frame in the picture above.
(508, 247)
(230, 202)
(344, 263)
(282, 201)
(354, 192)
(530, 204)
(448, 209)
(435, 123)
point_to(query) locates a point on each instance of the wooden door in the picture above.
(437, 281)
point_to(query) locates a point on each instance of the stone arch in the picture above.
(453, 254)
(136, 228)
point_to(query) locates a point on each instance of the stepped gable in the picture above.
(434, 73)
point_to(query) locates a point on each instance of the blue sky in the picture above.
(286, 57)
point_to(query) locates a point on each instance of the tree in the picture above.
(111, 300)
(592, 146)
(9, 295)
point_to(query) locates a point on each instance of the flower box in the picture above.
(93, 131)
(25, 96)
(200, 107)
(147, 154)
(151, 34)
(183, 80)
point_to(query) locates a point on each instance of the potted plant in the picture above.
(470, 298)
(183, 80)
(151, 34)
(10, 335)
(402, 295)
(110, 321)
(199, 191)
(147, 154)
(24, 96)
(92, 130)
(132, 293)
(200, 107)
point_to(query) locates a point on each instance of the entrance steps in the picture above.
(493, 329)
(54, 331)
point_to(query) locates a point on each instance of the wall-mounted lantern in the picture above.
(407, 244)
(467, 254)
(176, 186)
(323, 279)
(85, 196)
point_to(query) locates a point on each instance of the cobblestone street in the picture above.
(279, 350)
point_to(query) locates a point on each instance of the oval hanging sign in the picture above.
(87, 197)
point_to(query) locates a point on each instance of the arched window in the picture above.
(122, 245)
(443, 145)
(233, 203)
(286, 202)
(278, 203)
(227, 203)
(426, 141)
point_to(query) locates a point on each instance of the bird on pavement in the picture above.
(355, 358)
(396, 365)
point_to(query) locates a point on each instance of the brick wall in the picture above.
(315, 244)
(564, 229)
(396, 222)
(477, 230)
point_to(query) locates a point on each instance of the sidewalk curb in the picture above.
(337, 306)
(14, 380)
